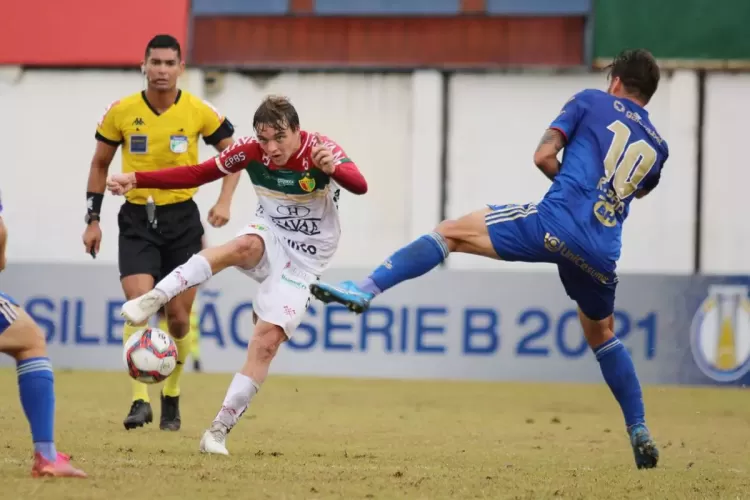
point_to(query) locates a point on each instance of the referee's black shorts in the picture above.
(157, 251)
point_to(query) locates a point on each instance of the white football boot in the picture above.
(214, 440)
(140, 309)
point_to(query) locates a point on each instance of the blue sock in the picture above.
(411, 261)
(36, 382)
(619, 372)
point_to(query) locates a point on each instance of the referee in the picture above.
(159, 229)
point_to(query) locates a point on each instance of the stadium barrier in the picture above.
(491, 325)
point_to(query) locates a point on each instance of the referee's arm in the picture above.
(103, 155)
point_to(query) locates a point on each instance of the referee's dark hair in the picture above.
(164, 42)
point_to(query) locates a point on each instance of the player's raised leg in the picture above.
(22, 339)
(244, 251)
(468, 234)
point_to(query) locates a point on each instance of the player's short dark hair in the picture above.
(638, 71)
(276, 112)
(164, 42)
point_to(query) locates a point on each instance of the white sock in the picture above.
(240, 392)
(192, 273)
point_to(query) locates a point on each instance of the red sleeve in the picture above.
(348, 176)
(233, 159)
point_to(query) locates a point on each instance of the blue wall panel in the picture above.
(240, 7)
(539, 7)
(387, 7)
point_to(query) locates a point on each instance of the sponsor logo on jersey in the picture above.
(293, 218)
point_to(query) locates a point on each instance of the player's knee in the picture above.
(266, 341)
(596, 331)
(247, 249)
(23, 338)
(450, 230)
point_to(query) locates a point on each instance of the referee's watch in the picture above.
(91, 218)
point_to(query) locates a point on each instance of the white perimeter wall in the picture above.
(391, 126)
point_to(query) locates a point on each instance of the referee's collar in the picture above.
(153, 110)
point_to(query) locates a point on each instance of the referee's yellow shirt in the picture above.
(152, 141)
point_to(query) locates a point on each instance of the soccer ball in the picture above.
(150, 355)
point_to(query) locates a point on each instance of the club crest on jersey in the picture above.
(178, 143)
(307, 184)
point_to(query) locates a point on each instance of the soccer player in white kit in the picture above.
(297, 176)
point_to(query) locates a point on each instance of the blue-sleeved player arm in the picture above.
(570, 116)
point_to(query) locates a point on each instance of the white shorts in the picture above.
(284, 293)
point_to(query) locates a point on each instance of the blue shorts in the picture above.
(520, 234)
(8, 312)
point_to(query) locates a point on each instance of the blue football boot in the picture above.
(644, 448)
(346, 293)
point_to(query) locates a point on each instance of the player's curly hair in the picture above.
(638, 71)
(276, 112)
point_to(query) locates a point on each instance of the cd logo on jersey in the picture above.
(178, 143)
(720, 333)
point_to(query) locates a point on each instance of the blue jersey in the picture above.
(612, 150)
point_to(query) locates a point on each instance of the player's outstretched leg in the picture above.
(467, 235)
(619, 373)
(243, 251)
(267, 338)
(22, 339)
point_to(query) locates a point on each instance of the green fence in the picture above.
(711, 34)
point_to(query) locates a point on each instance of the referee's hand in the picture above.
(92, 238)
(219, 214)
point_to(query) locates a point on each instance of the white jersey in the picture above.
(299, 203)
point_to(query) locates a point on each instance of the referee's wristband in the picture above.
(94, 202)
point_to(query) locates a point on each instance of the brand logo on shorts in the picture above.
(294, 283)
(289, 311)
(553, 244)
(259, 227)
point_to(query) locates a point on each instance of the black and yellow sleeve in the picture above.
(107, 130)
(216, 127)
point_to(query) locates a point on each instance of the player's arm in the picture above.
(230, 182)
(545, 156)
(231, 160)
(217, 131)
(648, 185)
(331, 158)
(558, 134)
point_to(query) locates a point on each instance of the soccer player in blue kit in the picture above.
(23, 340)
(612, 155)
